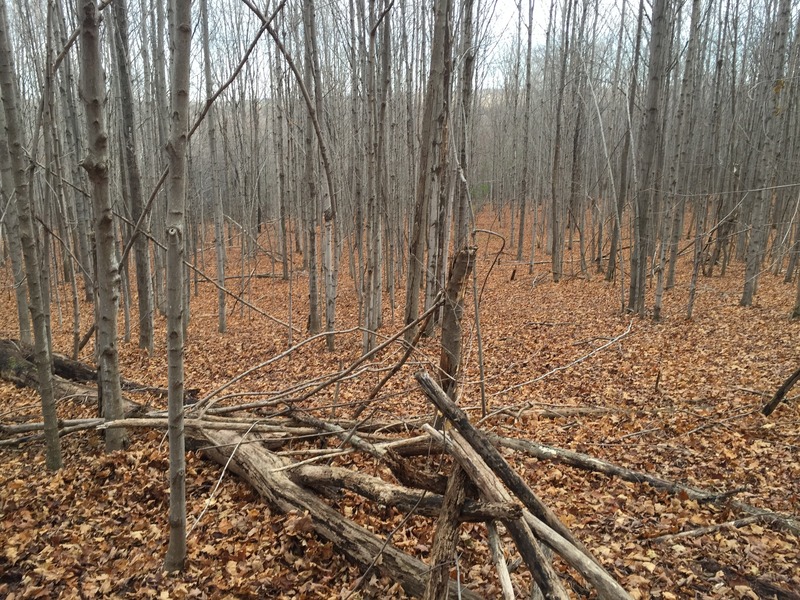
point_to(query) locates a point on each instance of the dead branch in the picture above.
(499, 560)
(263, 470)
(487, 479)
(780, 394)
(735, 524)
(589, 463)
(493, 458)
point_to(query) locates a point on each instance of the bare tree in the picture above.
(107, 277)
(428, 153)
(140, 247)
(8, 79)
(649, 144)
(180, 47)
(769, 154)
(10, 222)
(216, 195)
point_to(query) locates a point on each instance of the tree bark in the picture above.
(181, 36)
(216, 195)
(30, 251)
(427, 154)
(11, 226)
(140, 246)
(107, 277)
(769, 154)
(649, 143)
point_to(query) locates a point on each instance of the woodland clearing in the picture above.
(676, 399)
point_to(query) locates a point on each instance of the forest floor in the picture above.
(683, 399)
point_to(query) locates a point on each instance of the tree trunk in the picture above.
(181, 36)
(769, 155)
(649, 143)
(11, 226)
(526, 133)
(8, 78)
(140, 247)
(427, 154)
(216, 195)
(557, 227)
(312, 199)
(107, 277)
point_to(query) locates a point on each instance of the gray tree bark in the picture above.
(769, 155)
(8, 78)
(141, 250)
(107, 278)
(12, 235)
(650, 141)
(219, 217)
(429, 141)
(180, 41)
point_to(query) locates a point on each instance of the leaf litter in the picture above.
(678, 399)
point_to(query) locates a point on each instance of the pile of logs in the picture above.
(495, 493)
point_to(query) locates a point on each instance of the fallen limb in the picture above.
(403, 498)
(16, 441)
(471, 460)
(494, 459)
(499, 560)
(29, 427)
(589, 463)
(780, 394)
(262, 469)
(709, 529)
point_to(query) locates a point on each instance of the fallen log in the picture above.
(403, 498)
(265, 472)
(494, 459)
(589, 463)
(489, 483)
(80, 372)
(15, 368)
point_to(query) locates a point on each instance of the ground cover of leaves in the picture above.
(683, 400)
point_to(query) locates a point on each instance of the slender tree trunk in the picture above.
(78, 208)
(650, 141)
(526, 132)
(216, 194)
(427, 154)
(329, 264)
(8, 79)
(11, 226)
(462, 208)
(181, 36)
(557, 256)
(769, 155)
(680, 142)
(140, 247)
(107, 276)
(312, 199)
(281, 159)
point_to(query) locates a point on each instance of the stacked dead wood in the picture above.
(255, 449)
